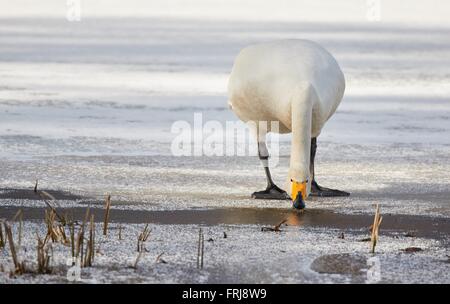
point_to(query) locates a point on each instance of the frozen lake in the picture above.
(102, 94)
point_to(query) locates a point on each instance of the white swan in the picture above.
(300, 85)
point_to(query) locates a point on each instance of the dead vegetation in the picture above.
(106, 219)
(19, 215)
(2, 237)
(81, 248)
(120, 232)
(79, 241)
(275, 228)
(55, 230)
(90, 245)
(43, 249)
(142, 238)
(375, 228)
(44, 254)
(19, 266)
(159, 259)
(80, 238)
(412, 249)
(200, 249)
(45, 196)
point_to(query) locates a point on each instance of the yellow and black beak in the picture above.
(299, 193)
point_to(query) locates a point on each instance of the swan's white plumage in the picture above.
(295, 82)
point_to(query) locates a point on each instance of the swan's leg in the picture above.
(317, 190)
(272, 191)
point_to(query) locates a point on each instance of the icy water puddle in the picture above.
(420, 226)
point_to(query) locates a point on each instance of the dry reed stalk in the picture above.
(14, 218)
(62, 232)
(2, 237)
(49, 219)
(43, 256)
(106, 220)
(90, 246)
(55, 231)
(72, 240)
(45, 196)
(79, 248)
(92, 238)
(120, 232)
(375, 228)
(275, 228)
(20, 227)
(87, 254)
(92, 241)
(19, 266)
(200, 249)
(159, 259)
(141, 251)
(19, 214)
(142, 238)
(138, 258)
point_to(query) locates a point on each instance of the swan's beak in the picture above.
(298, 187)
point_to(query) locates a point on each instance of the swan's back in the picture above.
(267, 73)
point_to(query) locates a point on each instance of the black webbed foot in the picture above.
(320, 191)
(271, 193)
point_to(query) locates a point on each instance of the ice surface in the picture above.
(247, 255)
